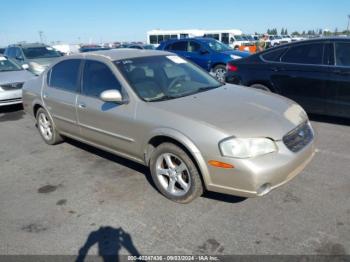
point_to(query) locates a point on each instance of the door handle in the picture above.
(82, 106)
(276, 69)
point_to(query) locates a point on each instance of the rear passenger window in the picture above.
(65, 75)
(342, 54)
(275, 55)
(97, 78)
(304, 54)
(179, 46)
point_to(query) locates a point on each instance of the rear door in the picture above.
(105, 123)
(60, 94)
(339, 81)
(302, 76)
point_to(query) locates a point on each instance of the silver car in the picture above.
(12, 77)
(155, 108)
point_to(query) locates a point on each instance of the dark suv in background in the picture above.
(315, 73)
(35, 57)
(208, 53)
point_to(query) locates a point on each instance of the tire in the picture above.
(47, 128)
(261, 87)
(170, 181)
(220, 72)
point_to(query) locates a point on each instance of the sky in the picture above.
(74, 21)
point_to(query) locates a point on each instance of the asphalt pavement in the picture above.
(75, 199)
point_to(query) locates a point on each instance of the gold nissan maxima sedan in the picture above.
(155, 108)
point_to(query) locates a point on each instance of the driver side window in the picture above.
(97, 77)
(193, 47)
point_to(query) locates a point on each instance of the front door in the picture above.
(198, 54)
(107, 124)
(302, 76)
(339, 81)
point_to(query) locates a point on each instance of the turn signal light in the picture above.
(220, 164)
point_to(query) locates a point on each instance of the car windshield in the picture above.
(7, 65)
(40, 52)
(159, 78)
(218, 46)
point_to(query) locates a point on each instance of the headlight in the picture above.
(235, 57)
(37, 67)
(247, 147)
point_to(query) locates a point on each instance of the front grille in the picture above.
(299, 137)
(12, 86)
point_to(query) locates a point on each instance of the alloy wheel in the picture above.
(172, 174)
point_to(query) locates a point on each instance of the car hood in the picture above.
(239, 111)
(15, 76)
(238, 53)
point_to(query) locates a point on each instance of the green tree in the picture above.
(286, 31)
(282, 31)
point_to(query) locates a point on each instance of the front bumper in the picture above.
(10, 97)
(251, 176)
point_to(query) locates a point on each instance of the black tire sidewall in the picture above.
(196, 188)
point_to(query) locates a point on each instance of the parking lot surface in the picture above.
(72, 198)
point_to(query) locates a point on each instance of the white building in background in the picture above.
(227, 36)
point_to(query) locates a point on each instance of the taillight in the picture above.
(231, 68)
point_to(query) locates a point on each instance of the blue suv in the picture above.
(208, 53)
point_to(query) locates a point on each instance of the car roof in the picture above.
(120, 54)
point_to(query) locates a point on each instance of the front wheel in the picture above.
(175, 174)
(47, 128)
(220, 72)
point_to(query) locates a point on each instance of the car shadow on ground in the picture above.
(11, 113)
(330, 119)
(109, 242)
(144, 170)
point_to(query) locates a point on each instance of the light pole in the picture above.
(41, 36)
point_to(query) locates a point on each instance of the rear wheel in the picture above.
(47, 128)
(261, 87)
(175, 174)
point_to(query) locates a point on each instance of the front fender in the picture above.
(187, 143)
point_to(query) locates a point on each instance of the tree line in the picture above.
(313, 32)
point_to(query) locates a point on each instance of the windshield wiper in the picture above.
(163, 98)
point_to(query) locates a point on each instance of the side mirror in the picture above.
(25, 66)
(111, 95)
